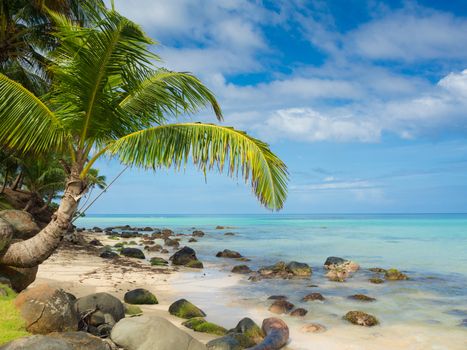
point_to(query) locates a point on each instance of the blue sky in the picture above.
(365, 101)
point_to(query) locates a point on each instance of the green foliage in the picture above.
(11, 323)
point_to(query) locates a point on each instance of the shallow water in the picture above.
(431, 249)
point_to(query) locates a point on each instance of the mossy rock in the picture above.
(377, 270)
(132, 243)
(184, 309)
(361, 318)
(119, 245)
(395, 275)
(376, 280)
(116, 238)
(247, 333)
(140, 296)
(199, 324)
(132, 310)
(156, 261)
(195, 264)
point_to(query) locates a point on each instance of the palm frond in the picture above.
(208, 146)
(26, 124)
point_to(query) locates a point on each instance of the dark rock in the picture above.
(46, 309)
(195, 264)
(395, 275)
(299, 269)
(243, 269)
(361, 318)
(166, 233)
(20, 278)
(184, 309)
(229, 234)
(277, 334)
(140, 296)
(147, 229)
(283, 270)
(377, 270)
(96, 242)
(334, 260)
(186, 257)
(171, 242)
(164, 251)
(361, 297)
(277, 297)
(154, 248)
(108, 254)
(192, 240)
(220, 227)
(156, 261)
(104, 302)
(300, 312)
(97, 229)
(281, 306)
(198, 233)
(376, 280)
(227, 253)
(313, 297)
(133, 253)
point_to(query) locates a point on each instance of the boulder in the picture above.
(361, 318)
(150, 333)
(299, 269)
(185, 257)
(281, 307)
(361, 297)
(227, 342)
(251, 333)
(277, 335)
(313, 328)
(313, 297)
(132, 310)
(6, 234)
(333, 261)
(197, 233)
(140, 296)
(103, 302)
(184, 309)
(154, 248)
(96, 242)
(227, 253)
(108, 254)
(20, 278)
(133, 253)
(22, 222)
(82, 340)
(147, 229)
(38, 342)
(199, 324)
(166, 233)
(243, 269)
(156, 261)
(46, 309)
(395, 275)
(282, 270)
(171, 242)
(299, 312)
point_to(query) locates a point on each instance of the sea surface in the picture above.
(430, 248)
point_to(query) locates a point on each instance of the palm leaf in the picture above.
(26, 124)
(208, 146)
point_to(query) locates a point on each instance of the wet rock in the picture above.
(103, 302)
(22, 223)
(299, 269)
(277, 297)
(361, 297)
(395, 275)
(147, 229)
(199, 324)
(140, 296)
(313, 297)
(242, 269)
(299, 312)
(186, 257)
(97, 229)
(96, 242)
(339, 269)
(283, 270)
(247, 333)
(149, 333)
(46, 309)
(281, 306)
(164, 251)
(197, 233)
(220, 227)
(166, 233)
(156, 261)
(229, 234)
(227, 253)
(313, 328)
(133, 253)
(277, 334)
(184, 309)
(377, 270)
(361, 318)
(171, 242)
(108, 254)
(376, 280)
(192, 240)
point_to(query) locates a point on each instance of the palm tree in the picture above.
(108, 99)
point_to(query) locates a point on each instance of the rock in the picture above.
(166, 233)
(313, 328)
(313, 297)
(395, 275)
(164, 251)
(81, 340)
(299, 312)
(22, 222)
(108, 254)
(20, 278)
(147, 229)
(46, 309)
(277, 297)
(195, 264)
(96, 242)
(337, 274)
(227, 253)
(97, 229)
(171, 242)
(150, 333)
(37, 342)
(6, 234)
(339, 269)
(198, 233)
(333, 260)
(227, 342)
(220, 227)
(199, 324)
(377, 270)
(140, 296)
(104, 302)
(184, 256)
(184, 309)
(243, 269)
(361, 318)
(133, 253)
(281, 307)
(376, 280)
(361, 297)
(229, 234)
(299, 269)
(277, 335)
(192, 240)
(247, 327)
(156, 261)
(132, 310)
(154, 248)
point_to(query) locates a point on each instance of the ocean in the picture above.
(430, 248)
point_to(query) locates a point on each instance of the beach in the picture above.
(424, 312)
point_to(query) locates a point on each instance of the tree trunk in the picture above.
(5, 181)
(30, 202)
(17, 181)
(34, 251)
(46, 204)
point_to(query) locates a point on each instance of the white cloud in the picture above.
(455, 83)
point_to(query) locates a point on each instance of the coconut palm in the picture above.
(108, 99)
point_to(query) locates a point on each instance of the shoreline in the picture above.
(81, 272)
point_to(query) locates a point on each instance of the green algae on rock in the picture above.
(199, 324)
(184, 309)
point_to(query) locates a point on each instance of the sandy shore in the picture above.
(81, 271)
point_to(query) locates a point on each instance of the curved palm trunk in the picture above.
(33, 251)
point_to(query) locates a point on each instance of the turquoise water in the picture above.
(431, 249)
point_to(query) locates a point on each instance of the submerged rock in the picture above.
(184, 309)
(395, 275)
(277, 297)
(299, 312)
(227, 253)
(281, 307)
(171, 242)
(361, 297)
(377, 270)
(197, 233)
(242, 269)
(140, 296)
(313, 297)
(376, 280)
(313, 328)
(299, 269)
(361, 318)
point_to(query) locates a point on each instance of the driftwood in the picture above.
(277, 335)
